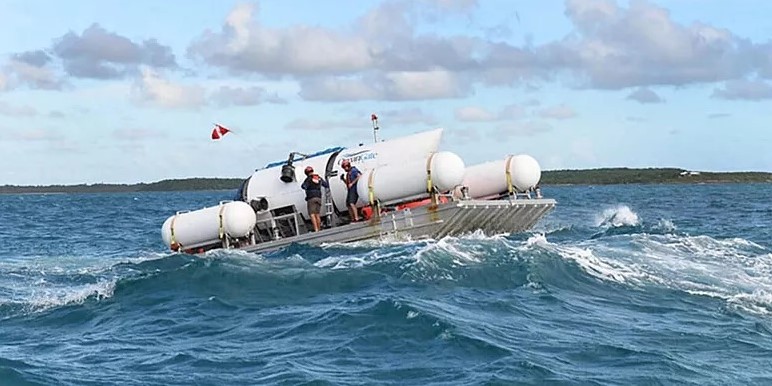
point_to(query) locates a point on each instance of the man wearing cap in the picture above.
(313, 186)
(351, 178)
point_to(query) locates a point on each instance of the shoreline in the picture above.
(584, 177)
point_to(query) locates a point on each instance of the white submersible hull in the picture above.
(407, 189)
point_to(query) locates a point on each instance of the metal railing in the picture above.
(277, 226)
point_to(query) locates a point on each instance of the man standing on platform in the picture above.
(313, 186)
(351, 178)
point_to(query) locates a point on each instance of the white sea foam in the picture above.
(461, 254)
(43, 299)
(456, 251)
(148, 256)
(393, 239)
(479, 235)
(358, 260)
(665, 225)
(758, 302)
(233, 254)
(601, 267)
(735, 270)
(620, 215)
(46, 282)
(536, 239)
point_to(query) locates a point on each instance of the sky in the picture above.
(108, 91)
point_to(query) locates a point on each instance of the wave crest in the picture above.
(616, 217)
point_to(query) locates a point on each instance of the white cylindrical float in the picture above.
(518, 172)
(205, 226)
(395, 183)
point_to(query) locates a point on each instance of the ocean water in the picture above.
(620, 285)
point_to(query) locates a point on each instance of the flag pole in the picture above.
(374, 118)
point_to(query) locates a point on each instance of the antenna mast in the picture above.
(374, 118)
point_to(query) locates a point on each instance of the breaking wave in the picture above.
(618, 216)
(735, 270)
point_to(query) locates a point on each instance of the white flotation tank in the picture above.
(494, 177)
(204, 226)
(525, 171)
(396, 183)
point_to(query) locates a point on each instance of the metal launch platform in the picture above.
(429, 221)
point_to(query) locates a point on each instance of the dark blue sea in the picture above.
(620, 285)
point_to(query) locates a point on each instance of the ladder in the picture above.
(328, 207)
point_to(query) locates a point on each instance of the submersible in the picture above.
(408, 187)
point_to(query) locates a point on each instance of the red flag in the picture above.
(219, 131)
(374, 117)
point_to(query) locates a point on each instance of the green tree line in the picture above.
(607, 176)
(611, 176)
(160, 186)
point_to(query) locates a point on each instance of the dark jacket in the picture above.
(313, 186)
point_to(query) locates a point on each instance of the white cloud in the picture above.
(40, 77)
(642, 45)
(426, 84)
(166, 94)
(31, 135)
(753, 90)
(465, 135)
(238, 22)
(245, 96)
(383, 40)
(474, 114)
(100, 54)
(136, 135)
(341, 89)
(17, 111)
(407, 116)
(311, 124)
(454, 5)
(480, 114)
(645, 95)
(387, 118)
(587, 14)
(520, 129)
(532, 103)
(244, 45)
(512, 112)
(35, 135)
(389, 54)
(384, 55)
(405, 85)
(558, 112)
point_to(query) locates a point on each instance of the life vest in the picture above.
(367, 212)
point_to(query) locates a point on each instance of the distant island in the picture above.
(614, 176)
(606, 176)
(187, 184)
